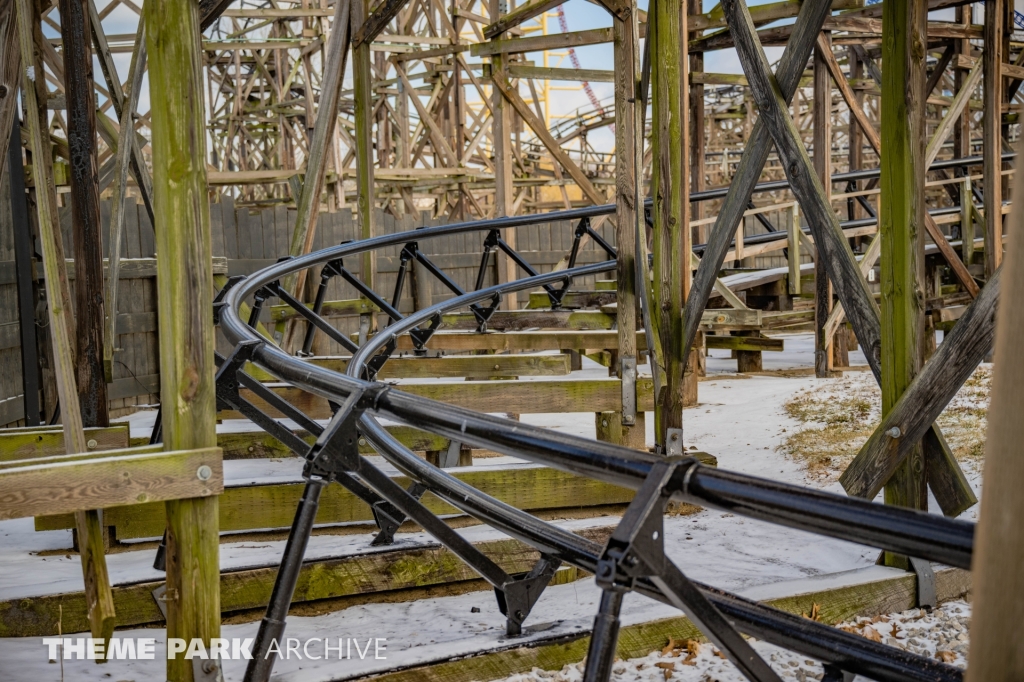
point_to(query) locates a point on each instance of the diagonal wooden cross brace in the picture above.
(791, 67)
(949, 487)
(951, 365)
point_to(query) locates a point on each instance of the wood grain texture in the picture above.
(869, 599)
(184, 291)
(106, 480)
(450, 367)
(35, 442)
(252, 507)
(924, 399)
(382, 572)
(755, 155)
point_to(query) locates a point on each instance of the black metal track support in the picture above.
(635, 550)
(369, 293)
(490, 242)
(319, 322)
(326, 274)
(23, 269)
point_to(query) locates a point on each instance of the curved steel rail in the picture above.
(358, 403)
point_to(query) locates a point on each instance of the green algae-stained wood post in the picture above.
(626, 32)
(900, 214)
(669, 137)
(87, 523)
(184, 292)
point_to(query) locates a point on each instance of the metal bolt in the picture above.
(204, 473)
(674, 436)
(91, 444)
(654, 535)
(894, 432)
(604, 422)
(606, 571)
(497, 367)
(362, 441)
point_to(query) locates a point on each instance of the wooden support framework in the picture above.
(184, 289)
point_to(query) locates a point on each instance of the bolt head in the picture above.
(894, 432)
(204, 473)
(91, 444)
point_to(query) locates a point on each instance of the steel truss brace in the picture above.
(636, 550)
(335, 457)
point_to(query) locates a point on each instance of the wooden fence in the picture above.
(246, 240)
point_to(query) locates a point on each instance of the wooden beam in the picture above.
(554, 41)
(307, 207)
(952, 115)
(998, 551)
(125, 145)
(925, 397)
(522, 397)
(363, 102)
(895, 591)
(65, 484)
(755, 155)
(822, 135)
(385, 573)
(992, 139)
(501, 140)
(184, 288)
(549, 142)
(264, 506)
(449, 367)
(569, 340)
(61, 324)
(519, 15)
(628, 157)
(36, 442)
(375, 23)
(556, 74)
(901, 209)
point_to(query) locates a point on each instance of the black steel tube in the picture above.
(318, 305)
(604, 638)
(272, 625)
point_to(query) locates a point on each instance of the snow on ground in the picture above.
(740, 419)
(941, 634)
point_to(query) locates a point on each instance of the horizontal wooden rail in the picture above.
(68, 483)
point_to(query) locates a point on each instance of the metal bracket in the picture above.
(674, 442)
(227, 376)
(421, 336)
(389, 519)
(336, 449)
(926, 597)
(452, 455)
(517, 597)
(483, 315)
(627, 375)
(160, 596)
(218, 300)
(377, 361)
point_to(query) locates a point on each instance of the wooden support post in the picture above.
(999, 546)
(698, 179)
(793, 257)
(609, 429)
(87, 523)
(823, 168)
(755, 154)
(992, 139)
(626, 34)
(320, 144)
(363, 95)
(501, 141)
(962, 145)
(670, 189)
(901, 213)
(125, 145)
(184, 290)
(856, 135)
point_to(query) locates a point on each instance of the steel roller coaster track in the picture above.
(633, 559)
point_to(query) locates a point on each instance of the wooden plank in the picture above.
(527, 319)
(260, 445)
(523, 397)
(521, 14)
(273, 505)
(568, 340)
(470, 366)
(554, 41)
(573, 299)
(824, 351)
(105, 479)
(925, 397)
(384, 572)
(35, 442)
(897, 592)
(355, 306)
(549, 73)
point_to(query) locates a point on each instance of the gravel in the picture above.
(940, 634)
